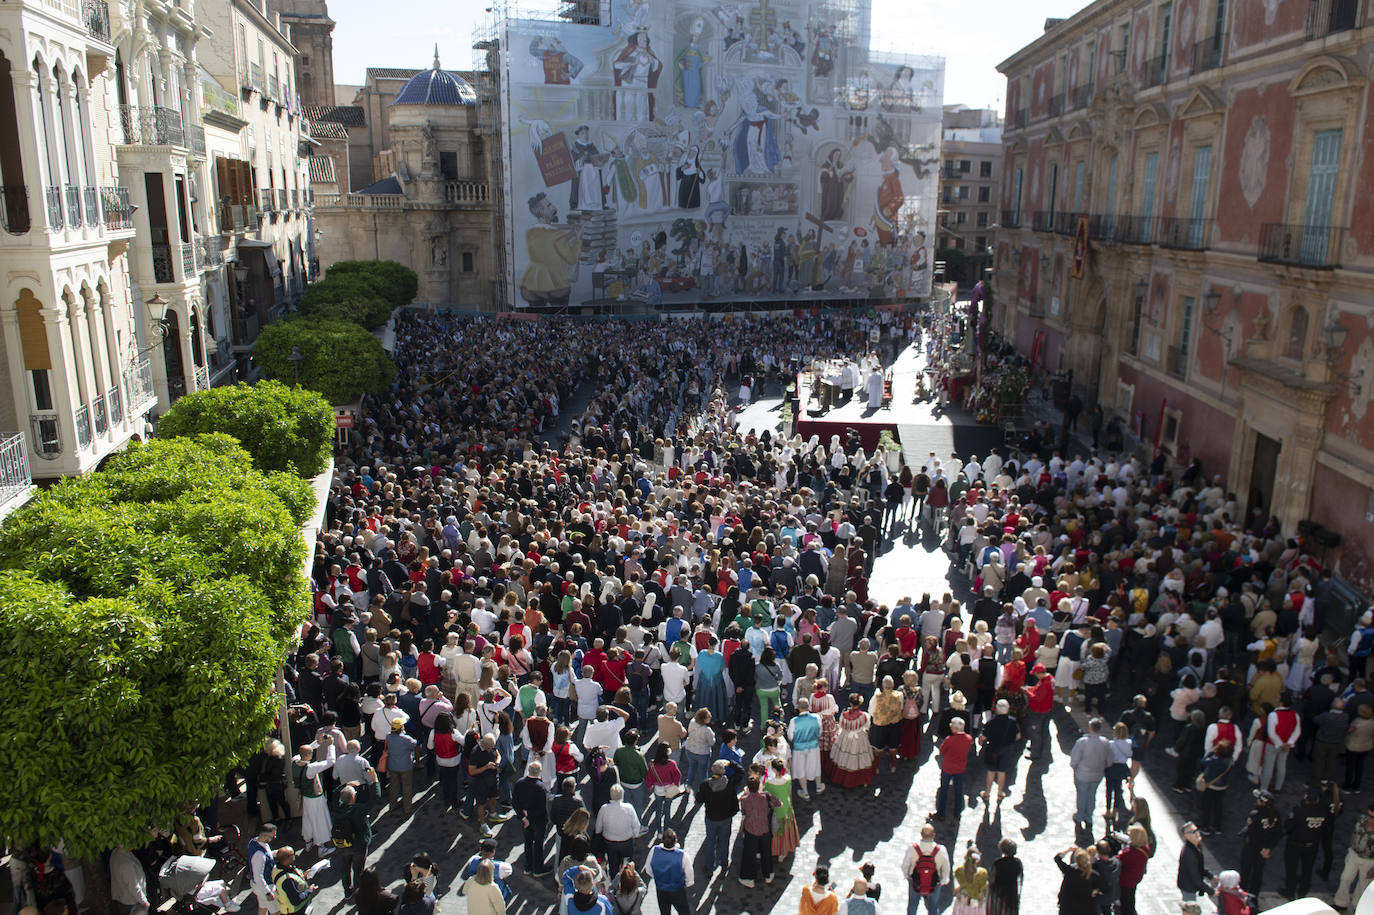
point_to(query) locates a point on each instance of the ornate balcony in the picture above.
(14, 209)
(47, 434)
(53, 198)
(1318, 247)
(119, 213)
(152, 126)
(14, 468)
(74, 206)
(1184, 234)
(97, 16)
(138, 381)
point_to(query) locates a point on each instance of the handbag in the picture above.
(381, 763)
(1202, 784)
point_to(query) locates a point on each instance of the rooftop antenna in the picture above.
(436, 55)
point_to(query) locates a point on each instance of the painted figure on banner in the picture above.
(633, 18)
(586, 193)
(888, 202)
(836, 177)
(823, 52)
(756, 143)
(689, 179)
(636, 70)
(620, 179)
(901, 94)
(551, 251)
(690, 63)
(861, 92)
(560, 67)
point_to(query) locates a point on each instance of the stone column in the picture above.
(60, 377)
(14, 361)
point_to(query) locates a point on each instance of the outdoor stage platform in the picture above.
(855, 414)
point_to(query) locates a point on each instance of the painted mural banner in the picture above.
(692, 151)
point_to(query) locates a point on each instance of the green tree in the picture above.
(399, 282)
(341, 360)
(144, 611)
(365, 292)
(283, 428)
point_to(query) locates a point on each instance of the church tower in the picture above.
(308, 24)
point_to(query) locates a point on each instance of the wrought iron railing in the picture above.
(195, 136)
(119, 213)
(47, 434)
(1011, 219)
(1041, 221)
(14, 467)
(1056, 106)
(91, 199)
(97, 16)
(1301, 245)
(1021, 117)
(1154, 72)
(138, 381)
(14, 209)
(102, 422)
(53, 198)
(1082, 96)
(1207, 53)
(1187, 234)
(1065, 222)
(116, 402)
(188, 261)
(1134, 230)
(202, 378)
(268, 200)
(152, 126)
(1327, 17)
(237, 217)
(1177, 362)
(83, 426)
(255, 74)
(74, 206)
(162, 264)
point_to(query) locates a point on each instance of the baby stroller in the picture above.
(184, 887)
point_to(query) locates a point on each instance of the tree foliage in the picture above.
(364, 292)
(341, 359)
(283, 428)
(144, 611)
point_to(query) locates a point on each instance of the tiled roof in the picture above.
(321, 170)
(391, 72)
(347, 115)
(326, 130)
(386, 186)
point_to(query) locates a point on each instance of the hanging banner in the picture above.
(1080, 246)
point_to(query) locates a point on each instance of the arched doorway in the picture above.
(171, 356)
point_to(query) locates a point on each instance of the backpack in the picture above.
(283, 877)
(342, 834)
(925, 873)
(637, 677)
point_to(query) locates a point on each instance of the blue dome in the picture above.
(436, 87)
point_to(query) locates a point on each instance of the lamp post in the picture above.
(297, 357)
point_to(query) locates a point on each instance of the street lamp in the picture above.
(297, 357)
(1211, 301)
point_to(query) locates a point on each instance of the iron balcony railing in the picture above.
(102, 422)
(237, 217)
(138, 381)
(53, 198)
(152, 126)
(91, 199)
(1301, 246)
(1102, 227)
(14, 209)
(116, 403)
(119, 213)
(1134, 230)
(47, 434)
(255, 74)
(74, 206)
(1082, 96)
(1056, 107)
(162, 264)
(1177, 362)
(1154, 72)
(1186, 234)
(195, 136)
(1011, 219)
(202, 378)
(273, 87)
(188, 261)
(281, 198)
(14, 467)
(268, 200)
(1065, 222)
(1207, 53)
(97, 16)
(1327, 17)
(83, 426)
(1041, 221)
(1021, 118)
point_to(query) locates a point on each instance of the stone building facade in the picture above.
(970, 175)
(1181, 228)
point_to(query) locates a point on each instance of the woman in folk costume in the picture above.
(786, 838)
(850, 762)
(314, 759)
(819, 898)
(970, 885)
(824, 707)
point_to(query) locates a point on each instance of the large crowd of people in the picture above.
(567, 631)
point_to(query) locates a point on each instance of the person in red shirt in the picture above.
(1039, 705)
(907, 638)
(596, 660)
(613, 670)
(954, 751)
(1134, 858)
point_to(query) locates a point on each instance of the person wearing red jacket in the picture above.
(1134, 858)
(1039, 705)
(954, 751)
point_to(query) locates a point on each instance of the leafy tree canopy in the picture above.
(283, 428)
(341, 359)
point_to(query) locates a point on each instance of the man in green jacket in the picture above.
(352, 831)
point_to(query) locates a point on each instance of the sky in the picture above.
(987, 32)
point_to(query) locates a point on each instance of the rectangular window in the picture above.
(448, 165)
(467, 261)
(42, 389)
(1137, 314)
(1111, 197)
(985, 169)
(960, 218)
(981, 240)
(963, 192)
(1147, 196)
(1185, 337)
(1016, 198)
(983, 220)
(1054, 185)
(1079, 171)
(1166, 21)
(958, 242)
(1125, 49)
(1092, 65)
(1197, 204)
(1321, 194)
(985, 194)
(965, 165)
